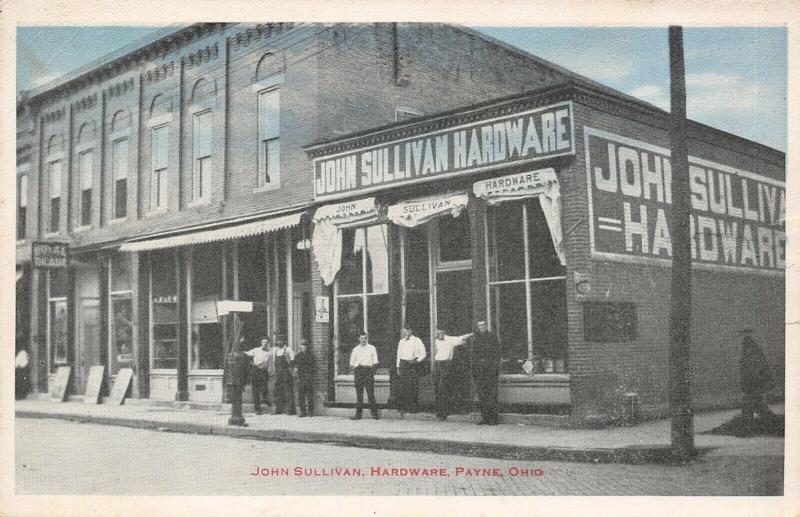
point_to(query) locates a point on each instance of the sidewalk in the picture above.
(647, 442)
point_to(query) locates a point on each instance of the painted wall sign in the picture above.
(737, 217)
(51, 255)
(517, 138)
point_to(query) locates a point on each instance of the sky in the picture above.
(736, 78)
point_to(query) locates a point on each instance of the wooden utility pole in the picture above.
(681, 294)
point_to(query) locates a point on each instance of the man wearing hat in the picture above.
(755, 379)
(486, 372)
(284, 388)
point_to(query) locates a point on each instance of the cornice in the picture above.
(251, 35)
(201, 56)
(86, 103)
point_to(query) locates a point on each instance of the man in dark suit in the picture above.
(755, 379)
(486, 372)
(305, 366)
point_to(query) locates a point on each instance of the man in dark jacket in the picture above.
(755, 379)
(304, 363)
(486, 371)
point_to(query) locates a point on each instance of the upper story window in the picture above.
(119, 157)
(85, 172)
(159, 163)
(201, 147)
(268, 138)
(22, 205)
(85, 154)
(120, 127)
(54, 188)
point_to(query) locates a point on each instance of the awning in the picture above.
(542, 183)
(328, 223)
(221, 234)
(414, 212)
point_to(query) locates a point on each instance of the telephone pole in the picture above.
(682, 430)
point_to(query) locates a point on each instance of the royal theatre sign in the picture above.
(517, 138)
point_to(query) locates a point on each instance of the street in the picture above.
(112, 460)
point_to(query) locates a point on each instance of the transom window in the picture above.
(268, 138)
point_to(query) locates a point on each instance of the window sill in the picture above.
(21, 242)
(118, 220)
(163, 371)
(266, 188)
(156, 211)
(215, 372)
(81, 229)
(52, 235)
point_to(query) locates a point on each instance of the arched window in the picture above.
(203, 90)
(121, 120)
(269, 64)
(161, 105)
(86, 133)
(55, 144)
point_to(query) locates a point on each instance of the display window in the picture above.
(121, 321)
(362, 293)
(526, 288)
(206, 273)
(163, 310)
(57, 317)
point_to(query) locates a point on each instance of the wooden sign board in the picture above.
(58, 390)
(93, 384)
(120, 387)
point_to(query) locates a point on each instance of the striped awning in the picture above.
(220, 234)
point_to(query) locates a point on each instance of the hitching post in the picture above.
(681, 294)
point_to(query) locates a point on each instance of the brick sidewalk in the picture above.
(642, 443)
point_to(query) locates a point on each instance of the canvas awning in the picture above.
(328, 223)
(414, 212)
(220, 234)
(542, 183)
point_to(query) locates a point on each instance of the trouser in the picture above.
(21, 383)
(753, 403)
(443, 381)
(284, 388)
(486, 380)
(364, 378)
(407, 394)
(259, 380)
(305, 395)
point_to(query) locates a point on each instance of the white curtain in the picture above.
(327, 245)
(414, 212)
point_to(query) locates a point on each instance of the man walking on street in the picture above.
(410, 352)
(259, 373)
(755, 379)
(305, 366)
(364, 361)
(284, 387)
(443, 375)
(486, 372)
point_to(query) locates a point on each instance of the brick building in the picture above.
(207, 162)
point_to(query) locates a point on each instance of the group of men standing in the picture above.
(278, 361)
(449, 376)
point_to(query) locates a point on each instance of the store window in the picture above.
(164, 310)
(54, 175)
(362, 293)
(415, 280)
(121, 321)
(85, 168)
(268, 138)
(527, 288)
(119, 157)
(454, 242)
(22, 206)
(201, 148)
(252, 286)
(206, 274)
(159, 163)
(57, 317)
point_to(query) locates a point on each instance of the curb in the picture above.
(638, 454)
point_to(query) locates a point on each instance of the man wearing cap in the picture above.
(410, 352)
(486, 372)
(755, 379)
(284, 388)
(304, 366)
(364, 361)
(443, 375)
(259, 373)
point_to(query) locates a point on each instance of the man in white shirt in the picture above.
(364, 361)
(21, 370)
(259, 373)
(410, 352)
(443, 375)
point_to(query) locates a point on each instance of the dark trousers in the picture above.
(753, 403)
(408, 387)
(21, 383)
(305, 395)
(364, 378)
(443, 381)
(284, 391)
(487, 378)
(259, 380)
